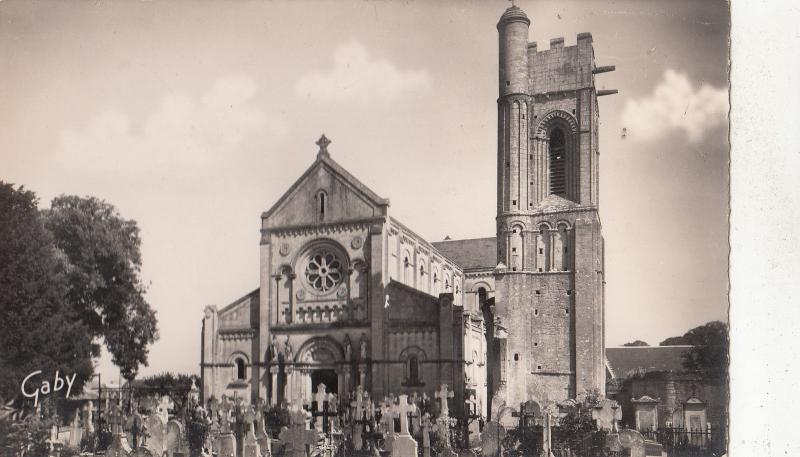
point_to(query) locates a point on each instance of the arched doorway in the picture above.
(318, 363)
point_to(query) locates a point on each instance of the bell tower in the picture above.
(550, 274)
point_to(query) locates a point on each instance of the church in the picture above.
(350, 296)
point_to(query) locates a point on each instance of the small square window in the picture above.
(508, 83)
(535, 344)
(538, 292)
(540, 270)
(514, 202)
(538, 367)
(536, 312)
(541, 251)
(516, 357)
(513, 249)
(566, 310)
(508, 164)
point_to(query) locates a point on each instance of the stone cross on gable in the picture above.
(323, 143)
(401, 409)
(443, 394)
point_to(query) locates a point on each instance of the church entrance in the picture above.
(327, 377)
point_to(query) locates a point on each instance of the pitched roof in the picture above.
(324, 160)
(628, 359)
(474, 253)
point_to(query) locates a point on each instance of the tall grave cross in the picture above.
(296, 437)
(402, 408)
(323, 405)
(443, 394)
(358, 403)
(225, 408)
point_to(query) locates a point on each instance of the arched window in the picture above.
(516, 249)
(406, 271)
(435, 284)
(322, 205)
(558, 163)
(239, 366)
(413, 369)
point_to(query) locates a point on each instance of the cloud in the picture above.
(358, 77)
(673, 106)
(182, 131)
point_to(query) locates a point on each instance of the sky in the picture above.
(194, 117)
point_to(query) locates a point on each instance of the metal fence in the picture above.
(682, 442)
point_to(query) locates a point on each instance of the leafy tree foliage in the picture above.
(69, 278)
(176, 386)
(709, 353)
(636, 343)
(39, 331)
(105, 287)
(674, 341)
(708, 356)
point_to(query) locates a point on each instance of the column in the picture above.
(274, 393)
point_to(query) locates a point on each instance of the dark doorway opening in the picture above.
(327, 377)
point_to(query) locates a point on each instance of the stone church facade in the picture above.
(350, 296)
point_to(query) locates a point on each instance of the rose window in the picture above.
(324, 271)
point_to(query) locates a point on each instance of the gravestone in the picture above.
(155, 430)
(226, 441)
(173, 439)
(633, 440)
(75, 432)
(262, 437)
(358, 405)
(492, 439)
(426, 424)
(250, 447)
(163, 408)
(473, 426)
(403, 444)
(141, 451)
(606, 414)
(135, 430)
(443, 394)
(296, 438)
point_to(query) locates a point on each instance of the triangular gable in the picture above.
(347, 197)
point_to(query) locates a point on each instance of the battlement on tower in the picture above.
(561, 68)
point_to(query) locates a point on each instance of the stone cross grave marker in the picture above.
(296, 438)
(402, 409)
(320, 423)
(403, 445)
(606, 414)
(225, 408)
(261, 427)
(135, 430)
(528, 413)
(75, 432)
(251, 446)
(387, 419)
(550, 416)
(425, 424)
(358, 404)
(115, 418)
(443, 395)
(163, 408)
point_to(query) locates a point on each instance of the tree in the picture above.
(708, 355)
(40, 332)
(674, 341)
(176, 386)
(104, 284)
(636, 343)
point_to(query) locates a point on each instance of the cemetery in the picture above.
(400, 425)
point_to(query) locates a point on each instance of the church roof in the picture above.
(629, 359)
(475, 253)
(325, 160)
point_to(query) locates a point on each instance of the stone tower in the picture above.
(549, 318)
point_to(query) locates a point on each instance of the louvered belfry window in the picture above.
(558, 163)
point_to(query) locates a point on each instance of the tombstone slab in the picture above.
(173, 438)
(226, 445)
(404, 446)
(492, 439)
(633, 440)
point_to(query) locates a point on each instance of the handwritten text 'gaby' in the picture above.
(44, 389)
